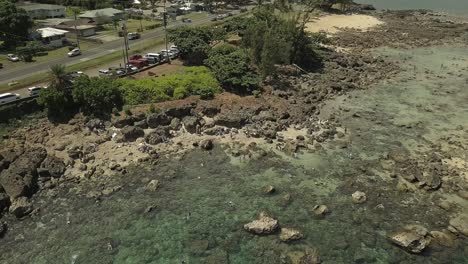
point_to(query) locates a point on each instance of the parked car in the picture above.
(134, 35)
(131, 68)
(35, 90)
(222, 16)
(169, 53)
(8, 97)
(186, 20)
(154, 58)
(104, 71)
(139, 63)
(74, 52)
(13, 57)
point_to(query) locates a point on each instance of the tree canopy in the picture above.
(14, 24)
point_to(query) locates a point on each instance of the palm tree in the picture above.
(58, 73)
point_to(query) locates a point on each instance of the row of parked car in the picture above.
(137, 62)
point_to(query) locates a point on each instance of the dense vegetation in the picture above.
(14, 24)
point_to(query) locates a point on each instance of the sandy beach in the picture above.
(333, 23)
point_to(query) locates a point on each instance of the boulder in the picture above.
(131, 133)
(214, 131)
(290, 234)
(320, 210)
(52, 167)
(4, 201)
(191, 124)
(269, 189)
(157, 136)
(3, 228)
(123, 121)
(460, 223)
(180, 111)
(264, 225)
(175, 123)
(236, 119)
(265, 115)
(359, 197)
(412, 238)
(206, 144)
(158, 119)
(141, 124)
(21, 207)
(152, 186)
(311, 256)
(95, 124)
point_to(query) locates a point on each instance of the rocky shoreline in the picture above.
(84, 156)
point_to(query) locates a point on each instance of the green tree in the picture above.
(14, 24)
(58, 73)
(194, 42)
(231, 66)
(30, 50)
(96, 96)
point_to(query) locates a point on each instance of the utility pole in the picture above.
(75, 12)
(125, 36)
(165, 31)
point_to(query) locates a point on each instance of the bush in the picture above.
(152, 109)
(127, 110)
(57, 102)
(96, 96)
(193, 81)
(231, 66)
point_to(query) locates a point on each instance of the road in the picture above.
(100, 50)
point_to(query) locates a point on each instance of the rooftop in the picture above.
(106, 12)
(49, 32)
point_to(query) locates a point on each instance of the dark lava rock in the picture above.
(141, 124)
(180, 111)
(4, 201)
(3, 229)
(233, 119)
(95, 124)
(158, 119)
(158, 136)
(123, 121)
(54, 166)
(206, 144)
(191, 123)
(264, 116)
(131, 133)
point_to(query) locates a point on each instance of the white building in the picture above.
(37, 11)
(52, 37)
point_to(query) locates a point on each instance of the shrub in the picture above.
(127, 110)
(57, 102)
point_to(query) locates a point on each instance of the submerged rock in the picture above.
(269, 189)
(460, 223)
(290, 234)
(21, 207)
(320, 210)
(413, 238)
(359, 197)
(153, 185)
(264, 225)
(311, 256)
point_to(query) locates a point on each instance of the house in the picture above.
(84, 27)
(52, 37)
(36, 11)
(103, 16)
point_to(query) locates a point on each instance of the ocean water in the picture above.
(459, 7)
(205, 198)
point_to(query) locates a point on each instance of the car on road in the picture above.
(74, 52)
(35, 90)
(222, 16)
(186, 20)
(134, 35)
(169, 53)
(13, 57)
(8, 97)
(104, 71)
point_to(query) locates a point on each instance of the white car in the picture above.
(74, 52)
(104, 71)
(8, 97)
(35, 90)
(165, 53)
(13, 57)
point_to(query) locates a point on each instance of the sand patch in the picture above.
(333, 23)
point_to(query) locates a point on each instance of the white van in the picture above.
(33, 91)
(8, 97)
(154, 56)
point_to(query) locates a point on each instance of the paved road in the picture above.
(98, 51)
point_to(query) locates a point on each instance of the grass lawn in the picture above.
(195, 15)
(133, 25)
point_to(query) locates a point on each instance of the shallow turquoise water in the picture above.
(206, 198)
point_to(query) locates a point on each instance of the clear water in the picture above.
(459, 7)
(205, 199)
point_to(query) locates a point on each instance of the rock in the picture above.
(180, 111)
(3, 228)
(311, 256)
(157, 136)
(191, 124)
(443, 238)
(110, 190)
(460, 223)
(123, 121)
(20, 207)
(152, 186)
(413, 238)
(269, 189)
(214, 131)
(264, 225)
(131, 134)
(264, 116)
(359, 197)
(158, 119)
(75, 152)
(95, 124)
(175, 123)
(320, 210)
(54, 166)
(290, 234)
(463, 194)
(141, 124)
(235, 119)
(206, 144)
